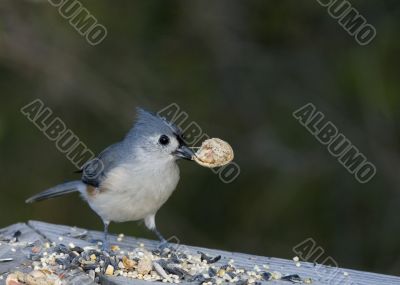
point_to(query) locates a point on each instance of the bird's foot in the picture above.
(164, 245)
(105, 246)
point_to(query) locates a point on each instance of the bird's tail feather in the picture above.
(56, 191)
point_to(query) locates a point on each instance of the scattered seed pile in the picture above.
(214, 153)
(51, 262)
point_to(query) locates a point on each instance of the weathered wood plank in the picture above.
(15, 250)
(19, 251)
(39, 231)
(319, 275)
(126, 281)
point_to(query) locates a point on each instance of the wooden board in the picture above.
(35, 230)
(7, 249)
(18, 251)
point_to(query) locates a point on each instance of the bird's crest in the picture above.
(154, 122)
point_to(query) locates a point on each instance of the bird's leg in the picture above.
(105, 239)
(151, 225)
(159, 235)
(163, 242)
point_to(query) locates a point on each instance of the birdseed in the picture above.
(52, 262)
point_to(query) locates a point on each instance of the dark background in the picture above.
(239, 69)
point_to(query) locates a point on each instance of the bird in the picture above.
(131, 179)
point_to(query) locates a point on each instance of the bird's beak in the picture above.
(184, 152)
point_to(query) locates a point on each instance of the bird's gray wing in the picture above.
(95, 170)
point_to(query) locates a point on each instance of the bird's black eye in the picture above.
(164, 140)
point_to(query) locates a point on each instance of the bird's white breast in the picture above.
(131, 193)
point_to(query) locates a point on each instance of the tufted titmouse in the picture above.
(130, 180)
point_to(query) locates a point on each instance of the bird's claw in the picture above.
(163, 245)
(105, 247)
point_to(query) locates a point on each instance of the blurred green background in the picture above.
(239, 69)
